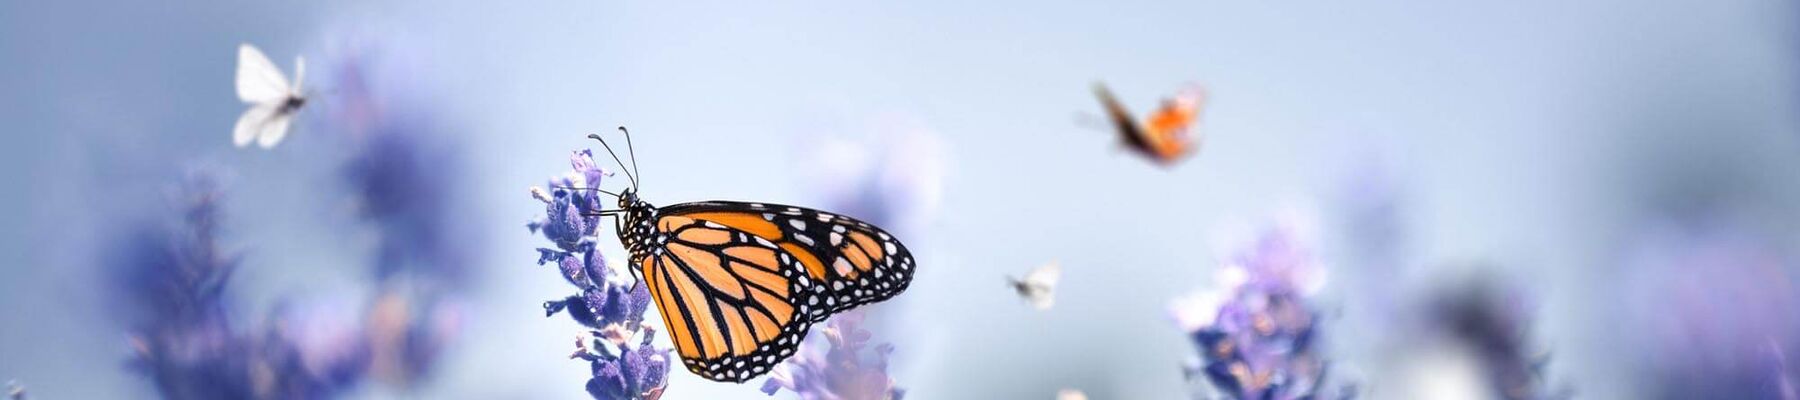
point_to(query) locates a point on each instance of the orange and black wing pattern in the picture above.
(1163, 137)
(739, 284)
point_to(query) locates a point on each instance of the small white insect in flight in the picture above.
(1038, 287)
(272, 101)
(1070, 394)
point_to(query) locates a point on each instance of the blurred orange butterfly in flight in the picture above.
(738, 284)
(1163, 137)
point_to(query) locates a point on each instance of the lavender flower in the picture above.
(1718, 300)
(1783, 375)
(611, 306)
(621, 372)
(322, 338)
(842, 372)
(403, 177)
(171, 278)
(572, 207)
(1494, 323)
(15, 391)
(1258, 338)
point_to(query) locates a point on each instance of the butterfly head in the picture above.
(629, 201)
(637, 219)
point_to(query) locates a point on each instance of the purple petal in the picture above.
(575, 272)
(595, 264)
(640, 302)
(771, 386)
(608, 382)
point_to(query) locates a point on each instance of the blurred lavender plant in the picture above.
(1258, 337)
(841, 372)
(402, 175)
(171, 279)
(894, 179)
(895, 182)
(611, 306)
(15, 391)
(1783, 375)
(1718, 301)
(1494, 322)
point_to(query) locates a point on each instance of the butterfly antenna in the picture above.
(632, 152)
(593, 189)
(605, 213)
(615, 156)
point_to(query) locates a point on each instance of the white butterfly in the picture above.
(272, 102)
(1039, 286)
(1070, 394)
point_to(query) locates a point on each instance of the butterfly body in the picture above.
(1163, 136)
(739, 284)
(291, 104)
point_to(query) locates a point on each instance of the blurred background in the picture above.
(1622, 177)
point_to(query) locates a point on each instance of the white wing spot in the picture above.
(842, 266)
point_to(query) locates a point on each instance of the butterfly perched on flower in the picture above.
(272, 101)
(739, 284)
(1163, 136)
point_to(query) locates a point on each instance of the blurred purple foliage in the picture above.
(894, 180)
(1259, 336)
(1718, 301)
(840, 371)
(1494, 322)
(404, 177)
(170, 277)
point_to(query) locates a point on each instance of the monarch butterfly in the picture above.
(1163, 137)
(739, 284)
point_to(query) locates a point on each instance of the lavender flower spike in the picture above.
(841, 372)
(1494, 321)
(610, 305)
(169, 276)
(1258, 336)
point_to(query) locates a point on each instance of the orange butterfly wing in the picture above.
(739, 284)
(1163, 136)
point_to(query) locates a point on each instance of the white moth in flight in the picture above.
(1070, 394)
(1038, 287)
(272, 101)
